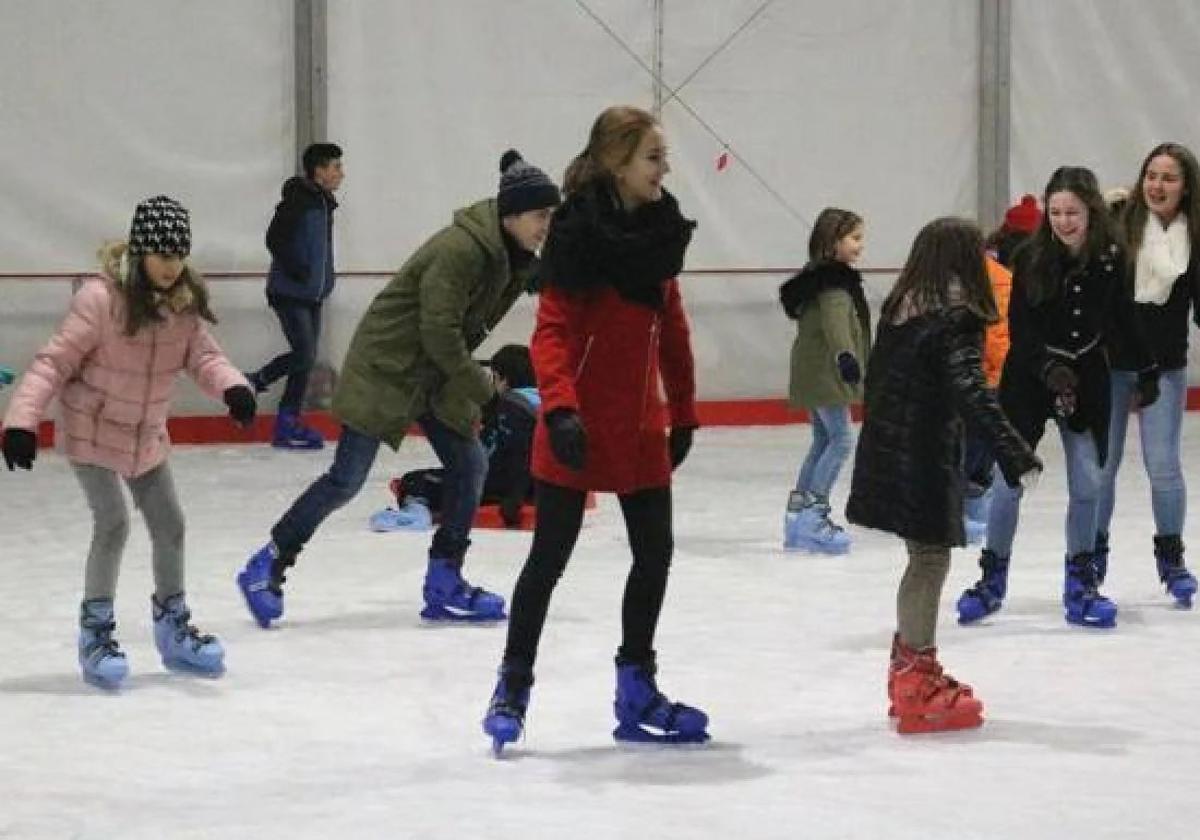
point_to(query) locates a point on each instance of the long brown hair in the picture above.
(1042, 260)
(948, 252)
(142, 303)
(1136, 211)
(612, 143)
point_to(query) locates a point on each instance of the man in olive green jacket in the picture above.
(410, 362)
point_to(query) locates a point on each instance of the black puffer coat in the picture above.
(923, 378)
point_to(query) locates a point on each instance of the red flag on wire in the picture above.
(723, 160)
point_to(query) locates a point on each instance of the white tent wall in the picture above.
(426, 97)
(805, 96)
(1099, 83)
(855, 103)
(103, 104)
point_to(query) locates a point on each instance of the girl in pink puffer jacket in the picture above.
(112, 364)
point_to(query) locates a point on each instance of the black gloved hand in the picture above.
(680, 443)
(1062, 382)
(242, 405)
(1147, 389)
(848, 368)
(568, 439)
(20, 448)
(510, 511)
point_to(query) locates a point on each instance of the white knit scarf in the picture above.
(1164, 255)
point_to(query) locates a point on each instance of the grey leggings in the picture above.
(920, 592)
(153, 494)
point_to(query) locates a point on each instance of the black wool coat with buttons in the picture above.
(1090, 309)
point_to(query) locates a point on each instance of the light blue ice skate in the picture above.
(410, 516)
(100, 657)
(182, 646)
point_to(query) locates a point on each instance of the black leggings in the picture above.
(559, 517)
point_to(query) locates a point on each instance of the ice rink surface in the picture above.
(353, 720)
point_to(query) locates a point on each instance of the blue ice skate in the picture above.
(411, 515)
(987, 595)
(448, 597)
(812, 530)
(1168, 556)
(100, 656)
(182, 646)
(504, 722)
(291, 433)
(645, 715)
(261, 582)
(1084, 604)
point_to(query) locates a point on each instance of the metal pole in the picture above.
(995, 110)
(659, 15)
(311, 78)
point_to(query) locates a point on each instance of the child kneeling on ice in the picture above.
(923, 379)
(507, 436)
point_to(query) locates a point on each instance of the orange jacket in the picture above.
(995, 339)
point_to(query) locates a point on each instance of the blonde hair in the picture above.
(612, 143)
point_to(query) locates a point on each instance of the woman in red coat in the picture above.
(611, 336)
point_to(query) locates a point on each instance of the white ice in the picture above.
(352, 720)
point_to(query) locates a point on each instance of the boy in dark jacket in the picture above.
(507, 437)
(301, 277)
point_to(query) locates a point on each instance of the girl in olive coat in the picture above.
(833, 331)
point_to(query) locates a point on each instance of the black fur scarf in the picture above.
(818, 276)
(594, 243)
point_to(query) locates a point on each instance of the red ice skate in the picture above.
(926, 699)
(891, 678)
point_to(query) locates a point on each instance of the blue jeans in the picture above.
(1083, 492)
(465, 463)
(301, 322)
(1160, 430)
(831, 445)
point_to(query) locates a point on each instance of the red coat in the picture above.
(610, 360)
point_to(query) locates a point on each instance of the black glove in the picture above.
(849, 368)
(20, 448)
(680, 443)
(1147, 388)
(510, 511)
(242, 406)
(568, 439)
(1062, 382)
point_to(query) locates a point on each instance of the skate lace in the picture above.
(1084, 572)
(103, 643)
(1175, 571)
(937, 680)
(512, 701)
(826, 526)
(279, 567)
(184, 629)
(657, 700)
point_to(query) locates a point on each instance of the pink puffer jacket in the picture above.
(115, 389)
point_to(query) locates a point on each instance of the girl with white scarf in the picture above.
(1162, 224)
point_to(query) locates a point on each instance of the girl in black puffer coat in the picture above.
(923, 378)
